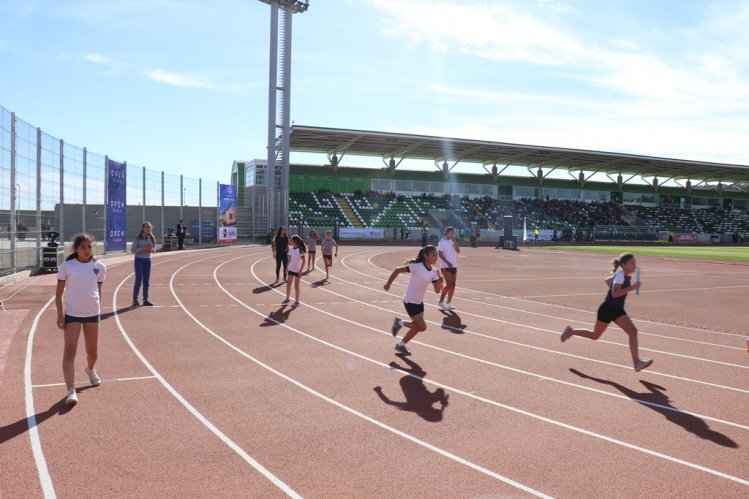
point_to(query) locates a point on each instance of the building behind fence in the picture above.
(49, 186)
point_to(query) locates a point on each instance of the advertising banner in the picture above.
(116, 206)
(361, 233)
(227, 230)
(680, 237)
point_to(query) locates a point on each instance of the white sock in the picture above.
(401, 344)
(401, 322)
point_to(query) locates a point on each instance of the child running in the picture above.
(612, 309)
(448, 252)
(327, 251)
(423, 271)
(80, 277)
(311, 249)
(296, 264)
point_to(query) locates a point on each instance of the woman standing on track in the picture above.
(311, 249)
(327, 251)
(612, 309)
(296, 263)
(448, 257)
(423, 271)
(80, 276)
(143, 245)
(280, 248)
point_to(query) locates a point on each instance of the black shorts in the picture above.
(607, 313)
(328, 258)
(414, 309)
(450, 270)
(84, 320)
(293, 274)
(312, 253)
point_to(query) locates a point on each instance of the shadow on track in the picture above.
(119, 311)
(277, 317)
(59, 408)
(452, 322)
(418, 399)
(658, 401)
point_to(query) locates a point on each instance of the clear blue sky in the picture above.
(181, 85)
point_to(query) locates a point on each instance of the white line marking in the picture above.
(476, 397)
(230, 443)
(103, 380)
(45, 480)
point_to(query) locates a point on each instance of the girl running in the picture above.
(280, 248)
(423, 271)
(327, 251)
(448, 252)
(311, 249)
(143, 245)
(612, 309)
(296, 264)
(80, 277)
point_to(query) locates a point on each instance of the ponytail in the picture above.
(300, 243)
(423, 252)
(621, 260)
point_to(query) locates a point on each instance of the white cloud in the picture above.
(178, 79)
(97, 58)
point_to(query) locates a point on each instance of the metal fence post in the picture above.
(13, 193)
(62, 194)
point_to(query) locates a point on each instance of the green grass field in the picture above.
(670, 251)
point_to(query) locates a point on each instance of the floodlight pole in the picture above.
(280, 83)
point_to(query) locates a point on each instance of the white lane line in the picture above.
(670, 290)
(103, 380)
(474, 396)
(325, 398)
(45, 480)
(563, 307)
(230, 443)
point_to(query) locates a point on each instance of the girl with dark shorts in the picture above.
(296, 264)
(423, 271)
(612, 309)
(80, 278)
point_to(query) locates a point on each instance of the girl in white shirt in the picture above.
(448, 251)
(80, 277)
(423, 271)
(312, 246)
(297, 252)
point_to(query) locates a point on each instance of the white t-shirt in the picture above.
(81, 286)
(448, 250)
(421, 277)
(295, 259)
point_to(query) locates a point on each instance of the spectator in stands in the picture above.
(143, 246)
(280, 249)
(395, 233)
(181, 231)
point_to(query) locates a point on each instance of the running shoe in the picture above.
(135, 303)
(566, 334)
(442, 306)
(402, 350)
(395, 327)
(93, 377)
(295, 304)
(285, 301)
(147, 303)
(642, 364)
(72, 398)
(449, 306)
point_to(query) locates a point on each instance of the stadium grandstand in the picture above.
(643, 199)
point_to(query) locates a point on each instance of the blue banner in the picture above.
(116, 206)
(227, 231)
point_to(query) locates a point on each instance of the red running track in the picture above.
(221, 391)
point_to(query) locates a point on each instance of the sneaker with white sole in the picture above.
(93, 377)
(449, 306)
(643, 364)
(402, 350)
(72, 398)
(442, 306)
(566, 334)
(395, 327)
(295, 304)
(285, 301)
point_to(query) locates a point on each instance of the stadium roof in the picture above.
(440, 149)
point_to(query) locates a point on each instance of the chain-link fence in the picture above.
(48, 187)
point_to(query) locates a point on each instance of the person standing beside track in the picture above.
(448, 258)
(423, 271)
(80, 278)
(612, 309)
(280, 248)
(143, 245)
(311, 249)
